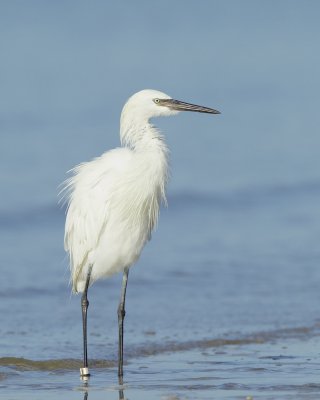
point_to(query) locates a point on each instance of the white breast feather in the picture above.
(120, 185)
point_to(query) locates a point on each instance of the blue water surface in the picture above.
(237, 250)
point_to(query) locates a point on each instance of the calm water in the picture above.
(224, 303)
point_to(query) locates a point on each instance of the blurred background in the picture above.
(238, 247)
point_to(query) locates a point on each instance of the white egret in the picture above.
(114, 200)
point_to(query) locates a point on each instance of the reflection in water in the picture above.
(121, 395)
(86, 384)
(85, 380)
(121, 391)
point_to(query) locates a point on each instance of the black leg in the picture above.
(121, 314)
(84, 306)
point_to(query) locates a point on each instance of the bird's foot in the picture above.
(84, 372)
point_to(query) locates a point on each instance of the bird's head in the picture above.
(149, 103)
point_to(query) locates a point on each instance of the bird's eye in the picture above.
(157, 101)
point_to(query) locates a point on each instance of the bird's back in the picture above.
(113, 206)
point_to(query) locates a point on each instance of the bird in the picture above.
(113, 202)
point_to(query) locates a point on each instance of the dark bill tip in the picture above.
(182, 106)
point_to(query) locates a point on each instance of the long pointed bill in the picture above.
(182, 106)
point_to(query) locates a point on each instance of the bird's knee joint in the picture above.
(84, 303)
(121, 311)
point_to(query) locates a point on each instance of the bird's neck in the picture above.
(141, 136)
(150, 148)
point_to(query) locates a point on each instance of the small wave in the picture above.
(26, 291)
(246, 197)
(42, 215)
(23, 364)
(255, 338)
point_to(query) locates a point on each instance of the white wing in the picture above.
(89, 193)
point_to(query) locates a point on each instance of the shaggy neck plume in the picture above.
(139, 134)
